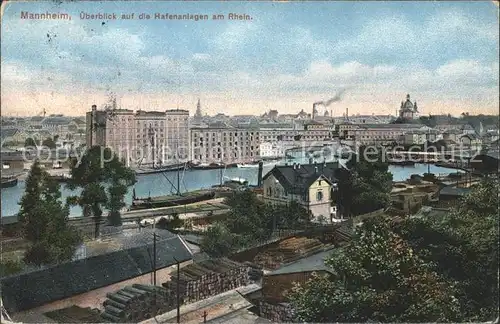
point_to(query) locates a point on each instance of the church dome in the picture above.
(407, 105)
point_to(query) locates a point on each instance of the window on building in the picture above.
(319, 196)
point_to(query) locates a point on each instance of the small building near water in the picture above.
(486, 162)
(277, 283)
(273, 303)
(310, 185)
(450, 194)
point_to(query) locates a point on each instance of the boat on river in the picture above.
(172, 200)
(61, 177)
(9, 182)
(248, 165)
(344, 155)
(176, 197)
(257, 163)
(401, 162)
(232, 184)
(210, 166)
(161, 169)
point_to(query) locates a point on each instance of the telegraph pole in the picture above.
(178, 291)
(154, 259)
(154, 273)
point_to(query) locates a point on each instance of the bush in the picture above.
(415, 179)
(162, 223)
(10, 267)
(455, 175)
(12, 230)
(171, 223)
(38, 254)
(429, 177)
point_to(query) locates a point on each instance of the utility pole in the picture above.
(178, 291)
(221, 175)
(91, 128)
(178, 175)
(154, 259)
(154, 271)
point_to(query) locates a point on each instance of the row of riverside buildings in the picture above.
(171, 136)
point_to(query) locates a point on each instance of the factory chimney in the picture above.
(259, 179)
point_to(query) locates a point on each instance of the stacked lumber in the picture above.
(137, 303)
(287, 251)
(208, 278)
(75, 314)
(277, 313)
(343, 233)
(255, 272)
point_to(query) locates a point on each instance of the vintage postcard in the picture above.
(249, 161)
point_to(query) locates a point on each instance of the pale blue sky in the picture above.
(288, 56)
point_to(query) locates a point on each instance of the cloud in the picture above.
(387, 33)
(201, 57)
(234, 36)
(460, 70)
(458, 25)
(446, 55)
(398, 36)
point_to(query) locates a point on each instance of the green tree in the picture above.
(248, 216)
(463, 246)
(30, 142)
(291, 215)
(115, 202)
(49, 142)
(429, 121)
(104, 180)
(9, 267)
(219, 241)
(45, 220)
(250, 222)
(377, 277)
(365, 185)
(170, 223)
(29, 214)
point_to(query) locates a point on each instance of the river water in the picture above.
(164, 184)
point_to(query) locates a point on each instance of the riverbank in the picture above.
(164, 184)
(53, 172)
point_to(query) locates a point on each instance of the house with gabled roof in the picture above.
(310, 185)
(488, 162)
(11, 136)
(470, 141)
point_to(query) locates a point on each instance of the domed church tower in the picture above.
(408, 110)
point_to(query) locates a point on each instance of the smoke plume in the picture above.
(337, 97)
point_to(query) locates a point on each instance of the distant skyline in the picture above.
(290, 55)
